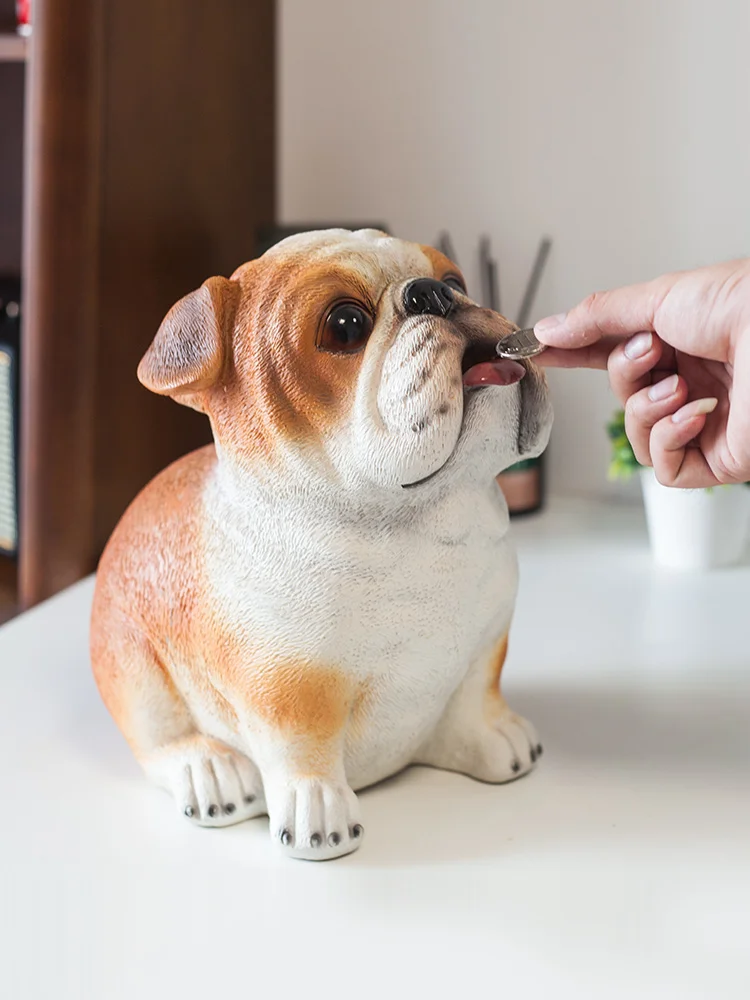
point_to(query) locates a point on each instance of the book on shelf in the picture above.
(10, 321)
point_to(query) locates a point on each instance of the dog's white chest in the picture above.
(403, 608)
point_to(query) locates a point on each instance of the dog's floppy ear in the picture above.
(189, 350)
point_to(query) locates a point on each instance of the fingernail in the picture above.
(550, 323)
(639, 345)
(695, 409)
(667, 387)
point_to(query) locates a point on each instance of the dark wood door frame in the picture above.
(150, 165)
(60, 257)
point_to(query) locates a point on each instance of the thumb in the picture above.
(618, 313)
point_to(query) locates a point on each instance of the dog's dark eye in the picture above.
(346, 329)
(453, 281)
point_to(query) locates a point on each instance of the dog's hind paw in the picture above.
(497, 751)
(518, 752)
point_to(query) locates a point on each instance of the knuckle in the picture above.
(634, 408)
(727, 473)
(592, 304)
(616, 361)
(664, 475)
(637, 433)
(595, 299)
(662, 459)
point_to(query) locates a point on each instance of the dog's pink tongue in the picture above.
(500, 372)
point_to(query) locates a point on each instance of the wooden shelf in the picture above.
(75, 103)
(13, 48)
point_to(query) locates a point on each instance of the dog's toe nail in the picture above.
(334, 839)
(533, 755)
(213, 811)
(229, 808)
(286, 837)
(249, 799)
(357, 831)
(316, 840)
(189, 812)
(539, 749)
(515, 766)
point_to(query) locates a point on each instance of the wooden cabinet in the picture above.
(148, 165)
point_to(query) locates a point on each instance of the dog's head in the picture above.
(354, 353)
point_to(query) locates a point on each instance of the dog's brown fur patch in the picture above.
(441, 264)
(495, 669)
(302, 699)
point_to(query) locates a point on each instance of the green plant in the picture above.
(623, 462)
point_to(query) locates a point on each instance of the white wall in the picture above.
(621, 129)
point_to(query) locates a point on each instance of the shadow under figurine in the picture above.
(324, 597)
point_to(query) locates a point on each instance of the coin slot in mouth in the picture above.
(481, 366)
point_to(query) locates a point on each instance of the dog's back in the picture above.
(150, 574)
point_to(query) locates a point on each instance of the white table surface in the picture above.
(619, 869)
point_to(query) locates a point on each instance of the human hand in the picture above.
(678, 354)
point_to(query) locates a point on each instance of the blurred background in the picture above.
(617, 128)
(144, 146)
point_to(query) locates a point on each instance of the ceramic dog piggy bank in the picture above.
(324, 596)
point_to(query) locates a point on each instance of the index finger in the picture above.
(591, 356)
(618, 313)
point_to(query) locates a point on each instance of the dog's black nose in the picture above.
(426, 295)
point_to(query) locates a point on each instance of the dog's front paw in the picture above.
(212, 784)
(314, 819)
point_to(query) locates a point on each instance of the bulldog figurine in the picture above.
(323, 597)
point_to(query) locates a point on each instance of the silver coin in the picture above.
(521, 344)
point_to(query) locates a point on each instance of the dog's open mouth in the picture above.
(481, 366)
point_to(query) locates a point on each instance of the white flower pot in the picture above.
(695, 529)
